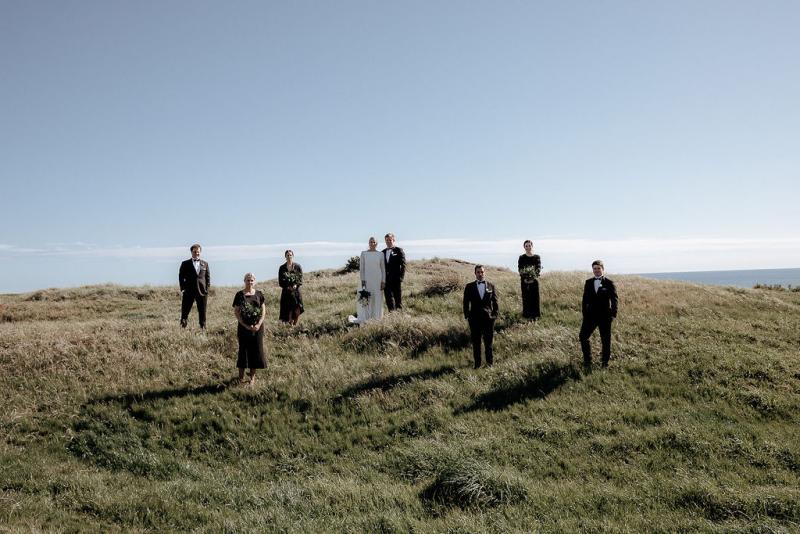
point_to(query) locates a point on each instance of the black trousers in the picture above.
(590, 323)
(393, 293)
(481, 328)
(187, 300)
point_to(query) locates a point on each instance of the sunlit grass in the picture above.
(113, 418)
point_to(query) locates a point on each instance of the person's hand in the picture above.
(383, 286)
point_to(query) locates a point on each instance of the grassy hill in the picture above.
(112, 418)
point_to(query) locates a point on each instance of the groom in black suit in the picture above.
(599, 310)
(395, 260)
(194, 278)
(480, 309)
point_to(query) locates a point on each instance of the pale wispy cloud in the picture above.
(621, 255)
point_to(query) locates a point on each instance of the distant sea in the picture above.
(784, 277)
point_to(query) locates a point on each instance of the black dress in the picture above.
(291, 299)
(530, 290)
(251, 344)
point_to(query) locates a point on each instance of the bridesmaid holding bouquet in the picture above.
(529, 267)
(290, 278)
(250, 308)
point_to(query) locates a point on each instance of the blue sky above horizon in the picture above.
(152, 125)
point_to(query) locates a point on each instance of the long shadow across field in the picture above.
(537, 383)
(454, 340)
(386, 383)
(128, 399)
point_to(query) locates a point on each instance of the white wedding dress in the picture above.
(373, 272)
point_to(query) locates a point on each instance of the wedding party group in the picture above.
(381, 274)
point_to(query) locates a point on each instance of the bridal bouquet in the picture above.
(363, 297)
(529, 274)
(292, 279)
(251, 313)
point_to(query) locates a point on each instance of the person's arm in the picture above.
(237, 309)
(519, 264)
(238, 315)
(402, 256)
(281, 279)
(263, 315)
(363, 270)
(383, 272)
(208, 277)
(257, 326)
(299, 275)
(466, 302)
(585, 301)
(181, 278)
(613, 298)
(537, 263)
(495, 305)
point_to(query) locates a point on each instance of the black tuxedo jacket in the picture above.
(601, 303)
(476, 307)
(191, 280)
(396, 266)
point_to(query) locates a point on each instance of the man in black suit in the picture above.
(480, 309)
(599, 310)
(194, 277)
(395, 260)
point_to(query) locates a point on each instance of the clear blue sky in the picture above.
(128, 125)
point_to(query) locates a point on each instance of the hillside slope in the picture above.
(113, 418)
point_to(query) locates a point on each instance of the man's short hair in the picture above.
(390, 234)
(195, 246)
(598, 262)
(478, 267)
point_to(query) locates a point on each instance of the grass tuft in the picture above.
(472, 484)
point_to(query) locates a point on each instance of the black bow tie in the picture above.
(481, 282)
(599, 279)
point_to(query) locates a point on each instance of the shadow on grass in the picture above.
(456, 340)
(115, 431)
(449, 341)
(537, 382)
(129, 399)
(386, 383)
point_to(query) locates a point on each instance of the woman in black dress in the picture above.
(290, 278)
(250, 309)
(529, 267)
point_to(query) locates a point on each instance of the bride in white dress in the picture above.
(373, 279)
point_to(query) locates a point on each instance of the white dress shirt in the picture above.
(597, 283)
(481, 288)
(196, 264)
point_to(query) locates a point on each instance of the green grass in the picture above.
(112, 418)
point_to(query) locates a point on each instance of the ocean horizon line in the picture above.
(746, 278)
